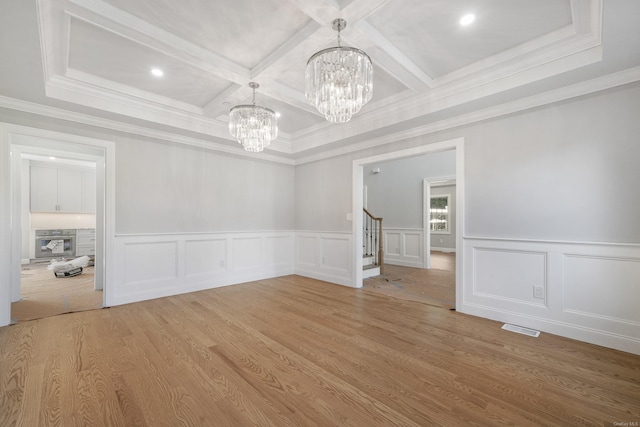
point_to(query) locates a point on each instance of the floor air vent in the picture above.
(521, 330)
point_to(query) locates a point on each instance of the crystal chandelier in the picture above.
(253, 126)
(339, 80)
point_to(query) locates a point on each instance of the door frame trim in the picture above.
(456, 144)
(14, 136)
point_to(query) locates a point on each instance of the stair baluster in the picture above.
(372, 239)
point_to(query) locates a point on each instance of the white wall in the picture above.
(563, 174)
(324, 198)
(164, 187)
(395, 193)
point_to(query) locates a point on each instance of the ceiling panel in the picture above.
(242, 31)
(429, 33)
(98, 52)
(291, 119)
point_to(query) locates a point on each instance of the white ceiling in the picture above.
(95, 56)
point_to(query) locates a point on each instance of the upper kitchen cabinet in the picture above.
(62, 190)
(88, 192)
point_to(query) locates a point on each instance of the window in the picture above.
(439, 214)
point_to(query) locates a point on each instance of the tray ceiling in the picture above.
(99, 53)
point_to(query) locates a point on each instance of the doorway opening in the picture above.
(58, 221)
(408, 250)
(40, 237)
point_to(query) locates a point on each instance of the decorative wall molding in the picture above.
(589, 290)
(157, 265)
(509, 275)
(404, 247)
(162, 264)
(592, 286)
(324, 256)
(551, 242)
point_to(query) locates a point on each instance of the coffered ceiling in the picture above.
(97, 57)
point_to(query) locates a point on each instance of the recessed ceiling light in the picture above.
(467, 19)
(278, 114)
(157, 72)
(52, 158)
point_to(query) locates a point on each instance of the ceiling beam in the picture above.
(395, 57)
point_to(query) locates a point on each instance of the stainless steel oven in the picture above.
(55, 243)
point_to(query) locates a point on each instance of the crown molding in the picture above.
(609, 81)
(598, 84)
(86, 119)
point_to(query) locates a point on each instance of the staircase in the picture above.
(372, 254)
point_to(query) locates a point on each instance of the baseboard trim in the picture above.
(568, 330)
(201, 285)
(324, 277)
(403, 263)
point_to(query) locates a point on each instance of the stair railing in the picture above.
(372, 238)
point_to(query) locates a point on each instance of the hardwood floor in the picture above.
(436, 286)
(44, 295)
(293, 351)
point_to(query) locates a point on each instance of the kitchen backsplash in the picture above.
(39, 221)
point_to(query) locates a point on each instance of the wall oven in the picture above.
(55, 243)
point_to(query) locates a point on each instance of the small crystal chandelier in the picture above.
(339, 80)
(253, 126)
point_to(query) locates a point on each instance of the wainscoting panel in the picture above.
(246, 253)
(205, 257)
(413, 246)
(150, 262)
(593, 286)
(278, 251)
(403, 246)
(392, 243)
(335, 254)
(588, 291)
(509, 275)
(153, 266)
(306, 251)
(324, 256)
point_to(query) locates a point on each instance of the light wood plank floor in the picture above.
(293, 351)
(44, 295)
(436, 286)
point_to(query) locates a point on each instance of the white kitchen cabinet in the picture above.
(69, 190)
(85, 242)
(88, 192)
(56, 189)
(44, 189)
